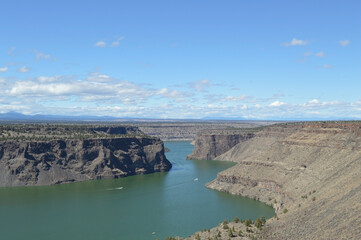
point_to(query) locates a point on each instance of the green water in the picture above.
(172, 203)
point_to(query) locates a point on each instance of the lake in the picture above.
(139, 207)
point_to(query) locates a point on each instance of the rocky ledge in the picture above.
(309, 172)
(45, 155)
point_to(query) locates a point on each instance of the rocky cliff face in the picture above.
(310, 173)
(210, 144)
(30, 162)
(187, 130)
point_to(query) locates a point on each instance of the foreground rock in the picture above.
(96, 153)
(310, 173)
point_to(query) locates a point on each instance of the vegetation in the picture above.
(172, 238)
(260, 222)
(225, 226)
(248, 222)
(235, 219)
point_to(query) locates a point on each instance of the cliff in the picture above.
(210, 144)
(51, 155)
(180, 130)
(310, 173)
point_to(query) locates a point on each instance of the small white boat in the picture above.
(196, 179)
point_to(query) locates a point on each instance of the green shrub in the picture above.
(258, 223)
(235, 219)
(248, 222)
(225, 226)
(263, 220)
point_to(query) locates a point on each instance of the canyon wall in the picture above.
(309, 172)
(210, 144)
(112, 152)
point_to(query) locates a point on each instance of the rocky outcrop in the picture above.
(310, 173)
(180, 130)
(210, 144)
(33, 162)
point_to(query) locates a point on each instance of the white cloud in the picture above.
(117, 42)
(23, 69)
(320, 54)
(56, 78)
(100, 44)
(244, 107)
(165, 92)
(234, 98)
(99, 77)
(344, 43)
(3, 69)
(82, 89)
(295, 42)
(276, 104)
(44, 56)
(101, 94)
(97, 88)
(200, 85)
(313, 101)
(12, 107)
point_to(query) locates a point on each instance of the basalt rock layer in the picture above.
(109, 153)
(310, 172)
(210, 144)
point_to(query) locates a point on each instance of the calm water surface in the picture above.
(139, 207)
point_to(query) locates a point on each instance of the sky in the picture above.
(189, 59)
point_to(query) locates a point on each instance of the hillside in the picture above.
(310, 172)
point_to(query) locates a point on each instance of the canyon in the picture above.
(309, 172)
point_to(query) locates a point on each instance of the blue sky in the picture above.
(182, 59)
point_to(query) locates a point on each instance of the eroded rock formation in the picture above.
(210, 144)
(111, 152)
(310, 172)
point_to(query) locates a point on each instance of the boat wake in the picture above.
(117, 188)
